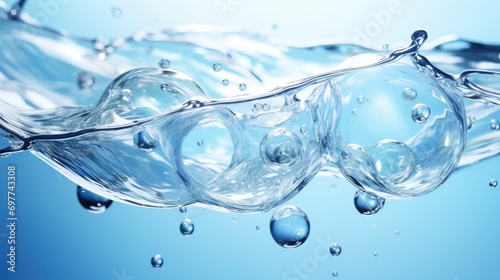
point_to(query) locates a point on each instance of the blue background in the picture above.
(451, 233)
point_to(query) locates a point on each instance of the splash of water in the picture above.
(260, 146)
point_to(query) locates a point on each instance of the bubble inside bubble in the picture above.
(280, 147)
(92, 202)
(289, 227)
(420, 113)
(187, 227)
(157, 261)
(335, 249)
(367, 204)
(394, 161)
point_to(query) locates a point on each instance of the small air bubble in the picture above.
(493, 183)
(217, 67)
(266, 107)
(200, 142)
(85, 80)
(187, 227)
(164, 63)
(469, 123)
(157, 261)
(355, 112)
(243, 86)
(335, 274)
(164, 87)
(409, 94)
(361, 100)
(257, 227)
(494, 124)
(375, 254)
(183, 209)
(225, 82)
(117, 11)
(304, 129)
(385, 47)
(420, 113)
(257, 106)
(335, 249)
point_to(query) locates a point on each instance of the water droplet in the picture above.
(335, 249)
(409, 94)
(85, 80)
(367, 204)
(493, 183)
(361, 100)
(304, 129)
(494, 124)
(289, 227)
(225, 82)
(117, 11)
(91, 201)
(164, 64)
(266, 107)
(183, 209)
(257, 106)
(469, 123)
(355, 112)
(335, 274)
(420, 113)
(280, 147)
(144, 141)
(394, 161)
(243, 86)
(157, 261)
(164, 87)
(187, 227)
(375, 254)
(200, 143)
(217, 67)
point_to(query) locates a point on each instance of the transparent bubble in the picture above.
(280, 147)
(266, 107)
(187, 227)
(409, 94)
(117, 11)
(200, 142)
(85, 80)
(257, 106)
(257, 227)
(375, 254)
(367, 204)
(164, 87)
(396, 232)
(225, 82)
(335, 249)
(157, 261)
(394, 161)
(355, 112)
(494, 124)
(183, 209)
(144, 141)
(335, 274)
(289, 227)
(420, 113)
(217, 67)
(164, 63)
(304, 129)
(361, 100)
(469, 123)
(493, 183)
(243, 86)
(92, 202)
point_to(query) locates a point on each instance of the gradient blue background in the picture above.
(452, 233)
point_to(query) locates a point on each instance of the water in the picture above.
(289, 227)
(142, 117)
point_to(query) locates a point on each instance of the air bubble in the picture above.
(164, 63)
(164, 87)
(187, 227)
(409, 94)
(144, 141)
(394, 161)
(280, 147)
(396, 232)
(304, 129)
(182, 209)
(243, 86)
(200, 143)
(375, 254)
(257, 227)
(157, 261)
(335, 274)
(494, 124)
(361, 100)
(355, 112)
(217, 67)
(367, 204)
(117, 11)
(469, 123)
(94, 203)
(257, 106)
(266, 107)
(420, 113)
(225, 82)
(289, 227)
(335, 249)
(493, 183)
(385, 47)
(85, 80)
